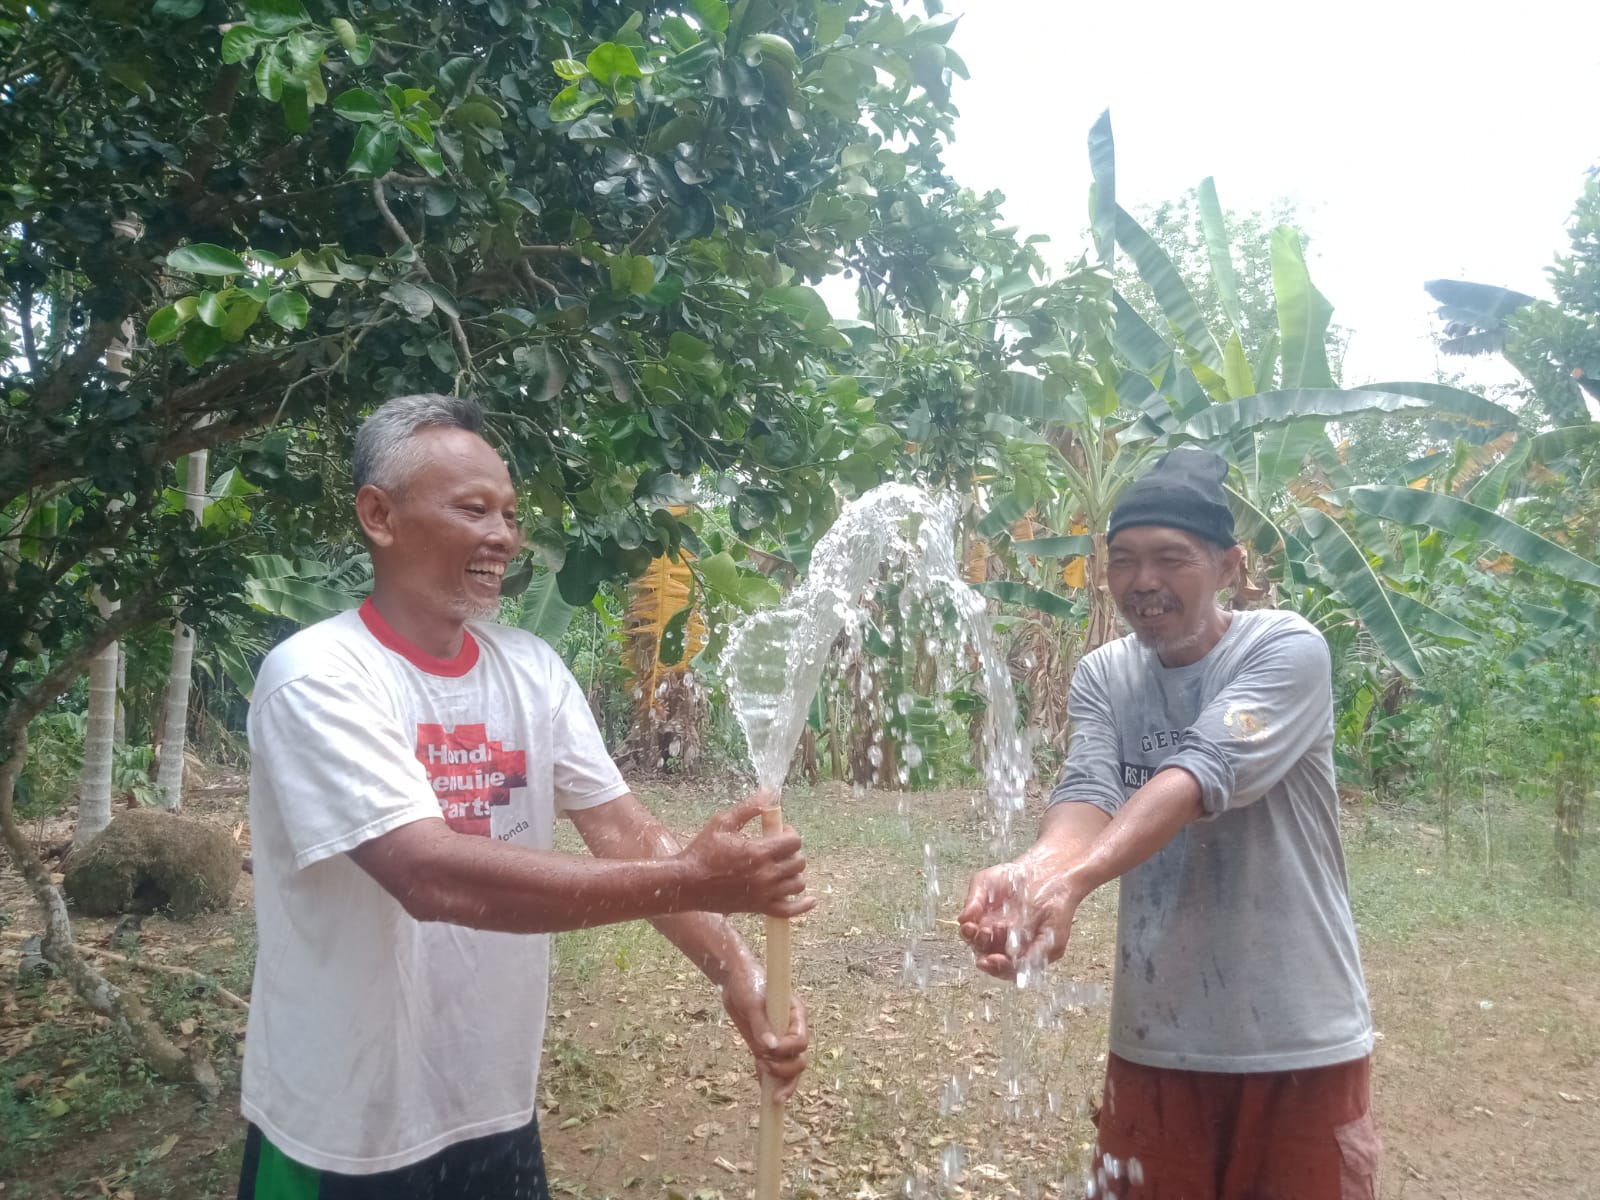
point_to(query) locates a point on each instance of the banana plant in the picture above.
(1306, 521)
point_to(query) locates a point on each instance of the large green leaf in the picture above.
(299, 600)
(1490, 488)
(1216, 234)
(1171, 293)
(1002, 514)
(1558, 443)
(1265, 367)
(1236, 375)
(1141, 345)
(1425, 617)
(1274, 408)
(1257, 529)
(1282, 450)
(1460, 519)
(1068, 545)
(1303, 315)
(204, 258)
(1025, 400)
(1012, 592)
(1455, 405)
(1103, 167)
(303, 590)
(1348, 572)
(544, 613)
(236, 667)
(1536, 647)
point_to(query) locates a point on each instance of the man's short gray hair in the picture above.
(385, 454)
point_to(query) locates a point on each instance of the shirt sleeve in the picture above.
(1094, 750)
(1254, 731)
(584, 774)
(338, 767)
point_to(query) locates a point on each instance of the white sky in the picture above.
(1418, 139)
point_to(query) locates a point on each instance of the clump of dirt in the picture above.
(148, 860)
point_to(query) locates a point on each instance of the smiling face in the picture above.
(1165, 582)
(442, 539)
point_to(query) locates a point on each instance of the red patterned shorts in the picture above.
(1203, 1135)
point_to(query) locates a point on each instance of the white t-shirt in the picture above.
(375, 1040)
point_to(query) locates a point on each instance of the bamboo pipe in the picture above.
(780, 964)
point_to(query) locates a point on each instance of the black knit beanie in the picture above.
(1182, 491)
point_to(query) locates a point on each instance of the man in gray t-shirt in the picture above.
(1200, 774)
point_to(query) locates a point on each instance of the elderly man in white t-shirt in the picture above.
(408, 761)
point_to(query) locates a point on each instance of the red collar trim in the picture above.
(465, 659)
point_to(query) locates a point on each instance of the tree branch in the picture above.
(463, 348)
(93, 988)
(219, 104)
(25, 313)
(50, 688)
(62, 384)
(536, 281)
(205, 392)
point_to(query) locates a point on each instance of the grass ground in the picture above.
(927, 1080)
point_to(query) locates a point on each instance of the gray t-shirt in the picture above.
(1236, 950)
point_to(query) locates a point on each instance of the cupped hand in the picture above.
(730, 872)
(1018, 914)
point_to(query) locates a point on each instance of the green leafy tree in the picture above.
(1312, 528)
(603, 221)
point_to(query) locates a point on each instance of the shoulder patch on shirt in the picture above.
(1244, 724)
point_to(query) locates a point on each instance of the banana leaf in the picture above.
(1171, 293)
(1002, 514)
(1347, 570)
(1484, 418)
(1011, 592)
(1425, 617)
(1303, 314)
(298, 600)
(544, 613)
(1220, 254)
(1071, 545)
(1469, 522)
(1025, 399)
(1103, 169)
(1281, 451)
(1274, 408)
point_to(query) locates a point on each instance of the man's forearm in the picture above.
(1151, 818)
(485, 884)
(708, 940)
(1066, 833)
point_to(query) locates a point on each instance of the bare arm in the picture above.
(624, 828)
(1026, 908)
(440, 875)
(1151, 818)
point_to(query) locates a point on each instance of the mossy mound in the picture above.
(148, 860)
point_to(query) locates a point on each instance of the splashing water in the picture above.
(772, 666)
(774, 659)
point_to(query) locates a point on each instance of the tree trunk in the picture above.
(119, 731)
(94, 791)
(1102, 608)
(175, 725)
(94, 786)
